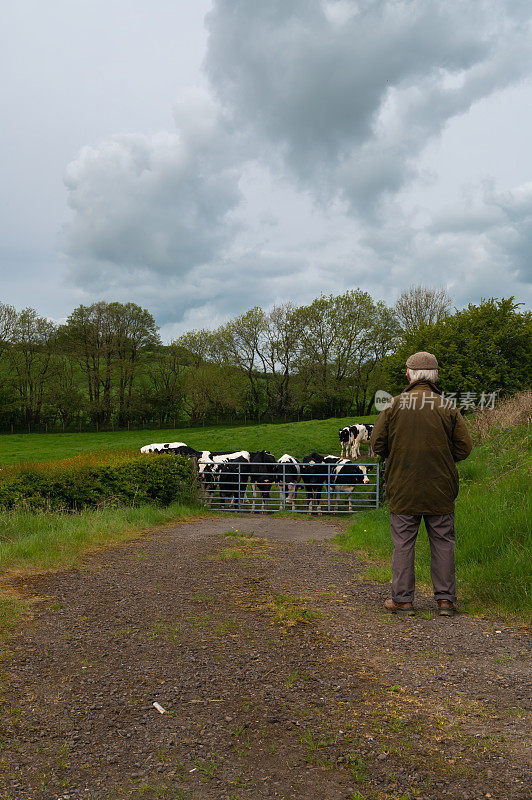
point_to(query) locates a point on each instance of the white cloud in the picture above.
(153, 204)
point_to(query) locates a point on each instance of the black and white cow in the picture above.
(369, 431)
(207, 458)
(210, 470)
(346, 476)
(362, 435)
(288, 476)
(344, 435)
(315, 472)
(232, 478)
(262, 475)
(359, 433)
(350, 438)
(177, 448)
(312, 475)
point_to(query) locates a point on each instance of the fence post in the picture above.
(377, 487)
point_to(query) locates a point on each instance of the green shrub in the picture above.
(82, 483)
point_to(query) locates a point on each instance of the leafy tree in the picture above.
(343, 339)
(108, 340)
(483, 348)
(133, 331)
(278, 350)
(239, 344)
(30, 361)
(162, 390)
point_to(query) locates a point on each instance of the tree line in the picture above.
(106, 366)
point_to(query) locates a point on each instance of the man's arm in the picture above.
(379, 438)
(461, 444)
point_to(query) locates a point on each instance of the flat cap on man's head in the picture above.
(422, 360)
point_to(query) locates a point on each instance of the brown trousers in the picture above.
(440, 529)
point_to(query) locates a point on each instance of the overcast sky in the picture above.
(200, 157)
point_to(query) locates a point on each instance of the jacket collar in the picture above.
(423, 383)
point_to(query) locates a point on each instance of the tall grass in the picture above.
(493, 527)
(47, 540)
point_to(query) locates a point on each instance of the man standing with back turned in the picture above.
(421, 435)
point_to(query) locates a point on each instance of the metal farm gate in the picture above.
(231, 489)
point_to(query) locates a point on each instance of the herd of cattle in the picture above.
(229, 473)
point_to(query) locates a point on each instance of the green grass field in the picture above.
(493, 515)
(296, 438)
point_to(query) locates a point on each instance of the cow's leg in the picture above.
(349, 491)
(309, 500)
(292, 495)
(264, 494)
(255, 496)
(281, 495)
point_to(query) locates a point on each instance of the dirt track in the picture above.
(263, 697)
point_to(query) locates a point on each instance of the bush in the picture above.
(81, 483)
(481, 348)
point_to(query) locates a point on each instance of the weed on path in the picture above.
(277, 671)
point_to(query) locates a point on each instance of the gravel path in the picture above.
(280, 674)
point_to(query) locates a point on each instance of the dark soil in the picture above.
(280, 672)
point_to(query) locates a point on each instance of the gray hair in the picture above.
(423, 375)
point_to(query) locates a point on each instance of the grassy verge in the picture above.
(40, 541)
(493, 529)
(297, 438)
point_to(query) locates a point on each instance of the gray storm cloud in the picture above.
(351, 91)
(336, 98)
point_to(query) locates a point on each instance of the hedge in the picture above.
(134, 480)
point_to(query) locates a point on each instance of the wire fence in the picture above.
(298, 487)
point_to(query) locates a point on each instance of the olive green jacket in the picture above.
(421, 435)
